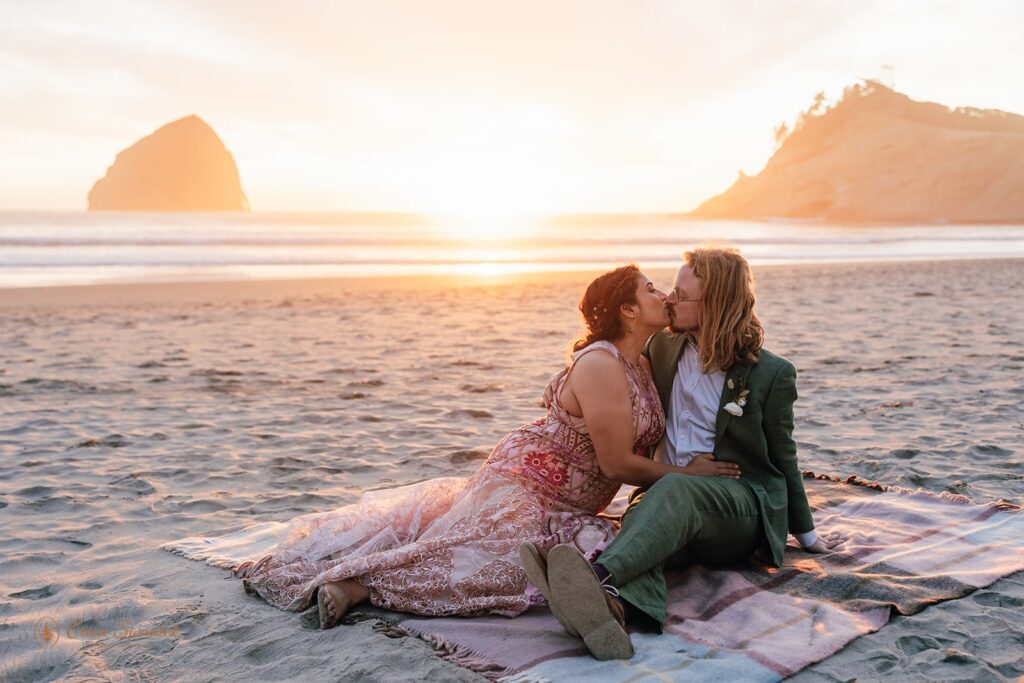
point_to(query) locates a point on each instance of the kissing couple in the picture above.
(669, 392)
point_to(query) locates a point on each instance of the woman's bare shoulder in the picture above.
(598, 369)
(597, 360)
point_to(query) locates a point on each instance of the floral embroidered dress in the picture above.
(451, 546)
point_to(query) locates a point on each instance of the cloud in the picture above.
(684, 92)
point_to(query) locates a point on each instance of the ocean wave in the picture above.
(47, 250)
(405, 242)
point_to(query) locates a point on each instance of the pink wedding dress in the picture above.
(450, 546)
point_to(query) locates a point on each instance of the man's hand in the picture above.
(705, 465)
(824, 544)
(552, 385)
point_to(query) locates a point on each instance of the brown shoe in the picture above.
(581, 602)
(536, 567)
(615, 605)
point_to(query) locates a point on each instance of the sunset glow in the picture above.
(487, 225)
(478, 109)
(370, 319)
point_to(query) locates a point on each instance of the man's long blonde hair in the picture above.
(730, 331)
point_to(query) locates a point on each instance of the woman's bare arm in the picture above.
(598, 384)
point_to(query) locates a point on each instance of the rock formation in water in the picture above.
(183, 166)
(879, 156)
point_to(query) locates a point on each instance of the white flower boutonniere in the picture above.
(739, 398)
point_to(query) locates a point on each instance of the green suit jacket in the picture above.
(760, 441)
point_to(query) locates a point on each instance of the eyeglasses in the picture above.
(676, 298)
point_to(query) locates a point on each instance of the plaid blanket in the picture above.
(906, 550)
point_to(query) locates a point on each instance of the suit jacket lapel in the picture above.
(738, 374)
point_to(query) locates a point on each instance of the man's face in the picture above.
(684, 302)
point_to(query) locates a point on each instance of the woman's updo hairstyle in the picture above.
(601, 302)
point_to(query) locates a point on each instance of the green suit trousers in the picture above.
(678, 520)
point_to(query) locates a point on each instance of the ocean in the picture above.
(75, 248)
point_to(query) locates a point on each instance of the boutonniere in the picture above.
(739, 397)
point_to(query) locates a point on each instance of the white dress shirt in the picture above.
(690, 429)
(693, 414)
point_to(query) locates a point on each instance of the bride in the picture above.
(451, 546)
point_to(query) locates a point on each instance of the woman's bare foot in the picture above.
(336, 598)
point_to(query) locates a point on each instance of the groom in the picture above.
(723, 395)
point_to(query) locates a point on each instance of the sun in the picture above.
(488, 226)
(488, 189)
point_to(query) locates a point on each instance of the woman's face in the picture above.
(651, 303)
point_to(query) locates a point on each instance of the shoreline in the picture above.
(235, 289)
(387, 214)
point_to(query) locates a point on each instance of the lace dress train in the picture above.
(450, 546)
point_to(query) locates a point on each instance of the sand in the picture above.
(135, 415)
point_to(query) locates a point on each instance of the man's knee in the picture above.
(700, 493)
(675, 485)
(672, 491)
(689, 482)
(672, 479)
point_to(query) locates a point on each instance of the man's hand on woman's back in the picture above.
(552, 385)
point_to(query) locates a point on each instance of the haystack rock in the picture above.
(878, 156)
(183, 166)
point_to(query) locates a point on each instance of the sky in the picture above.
(472, 107)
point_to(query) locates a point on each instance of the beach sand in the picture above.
(135, 415)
